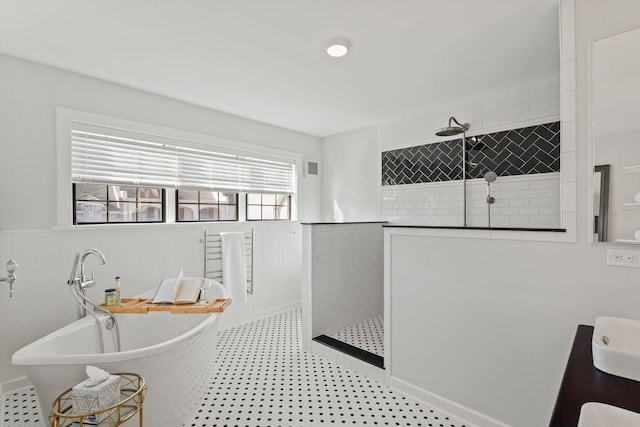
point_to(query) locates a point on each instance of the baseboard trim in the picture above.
(224, 324)
(471, 417)
(14, 385)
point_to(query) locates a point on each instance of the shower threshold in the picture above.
(351, 350)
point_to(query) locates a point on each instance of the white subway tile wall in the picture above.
(522, 201)
(534, 104)
(347, 281)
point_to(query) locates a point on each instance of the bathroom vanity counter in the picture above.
(582, 383)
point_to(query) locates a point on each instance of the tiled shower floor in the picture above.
(264, 379)
(367, 335)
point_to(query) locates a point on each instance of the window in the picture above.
(265, 207)
(103, 203)
(204, 205)
(199, 177)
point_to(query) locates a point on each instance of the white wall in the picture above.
(350, 176)
(496, 317)
(142, 255)
(489, 324)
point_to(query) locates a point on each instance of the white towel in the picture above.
(234, 265)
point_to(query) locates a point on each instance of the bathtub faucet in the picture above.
(78, 283)
(84, 283)
(80, 280)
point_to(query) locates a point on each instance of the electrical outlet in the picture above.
(623, 258)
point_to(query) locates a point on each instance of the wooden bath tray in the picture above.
(143, 306)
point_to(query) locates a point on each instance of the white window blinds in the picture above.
(109, 155)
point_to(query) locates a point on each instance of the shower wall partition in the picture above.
(342, 294)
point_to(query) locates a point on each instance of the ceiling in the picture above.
(264, 59)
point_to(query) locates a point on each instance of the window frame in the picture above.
(163, 203)
(247, 204)
(200, 204)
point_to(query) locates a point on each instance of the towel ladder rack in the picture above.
(213, 257)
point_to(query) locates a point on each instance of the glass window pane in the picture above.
(146, 194)
(122, 192)
(208, 213)
(101, 203)
(282, 212)
(254, 212)
(122, 212)
(149, 212)
(228, 198)
(188, 196)
(269, 199)
(228, 213)
(268, 212)
(91, 212)
(89, 191)
(282, 199)
(254, 199)
(208, 197)
(188, 213)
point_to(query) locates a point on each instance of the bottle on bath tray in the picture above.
(118, 289)
(109, 297)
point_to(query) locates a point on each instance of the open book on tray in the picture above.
(178, 290)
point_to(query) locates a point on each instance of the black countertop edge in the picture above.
(459, 227)
(345, 223)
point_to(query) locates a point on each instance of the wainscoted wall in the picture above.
(277, 271)
(342, 270)
(142, 256)
(508, 124)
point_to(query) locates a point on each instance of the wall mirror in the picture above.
(616, 136)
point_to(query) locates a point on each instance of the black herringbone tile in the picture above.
(522, 151)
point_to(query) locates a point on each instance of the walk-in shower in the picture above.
(452, 130)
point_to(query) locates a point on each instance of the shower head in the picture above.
(490, 176)
(453, 130)
(474, 144)
(449, 131)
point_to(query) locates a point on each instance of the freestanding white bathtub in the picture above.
(173, 352)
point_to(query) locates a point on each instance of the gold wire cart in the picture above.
(132, 392)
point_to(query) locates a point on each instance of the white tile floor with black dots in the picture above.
(264, 379)
(367, 335)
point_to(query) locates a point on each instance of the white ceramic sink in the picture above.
(594, 414)
(616, 347)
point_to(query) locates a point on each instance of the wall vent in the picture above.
(312, 168)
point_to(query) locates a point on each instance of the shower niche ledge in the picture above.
(460, 227)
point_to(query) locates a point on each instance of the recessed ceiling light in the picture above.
(337, 47)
